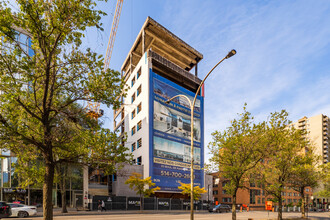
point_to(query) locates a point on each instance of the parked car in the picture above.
(5, 210)
(220, 208)
(22, 211)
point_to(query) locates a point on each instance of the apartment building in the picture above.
(317, 130)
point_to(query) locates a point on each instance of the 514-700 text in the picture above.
(175, 174)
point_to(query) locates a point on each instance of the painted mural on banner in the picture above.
(171, 134)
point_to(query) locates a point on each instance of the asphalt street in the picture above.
(182, 216)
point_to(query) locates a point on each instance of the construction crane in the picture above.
(113, 33)
(93, 108)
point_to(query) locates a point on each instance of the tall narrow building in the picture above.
(158, 134)
(317, 130)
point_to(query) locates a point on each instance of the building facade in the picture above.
(158, 134)
(254, 197)
(317, 131)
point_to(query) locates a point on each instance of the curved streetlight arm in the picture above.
(180, 95)
(230, 54)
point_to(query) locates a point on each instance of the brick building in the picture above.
(254, 196)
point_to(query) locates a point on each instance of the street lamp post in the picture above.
(208, 193)
(307, 205)
(192, 106)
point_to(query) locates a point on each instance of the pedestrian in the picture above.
(103, 206)
(99, 205)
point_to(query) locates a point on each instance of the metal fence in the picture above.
(133, 203)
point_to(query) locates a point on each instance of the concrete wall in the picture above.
(119, 188)
(208, 186)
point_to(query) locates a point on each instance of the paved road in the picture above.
(182, 216)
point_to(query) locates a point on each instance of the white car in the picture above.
(22, 211)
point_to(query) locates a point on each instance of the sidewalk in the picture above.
(73, 211)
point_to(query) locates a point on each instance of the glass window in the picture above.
(139, 143)
(133, 130)
(6, 179)
(133, 81)
(133, 98)
(139, 160)
(139, 108)
(6, 164)
(138, 92)
(133, 147)
(133, 113)
(14, 175)
(138, 73)
(139, 125)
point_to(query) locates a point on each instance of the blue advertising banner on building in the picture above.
(170, 135)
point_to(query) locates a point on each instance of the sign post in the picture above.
(269, 206)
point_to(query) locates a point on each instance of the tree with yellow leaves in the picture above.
(143, 187)
(186, 190)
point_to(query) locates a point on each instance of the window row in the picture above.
(138, 92)
(226, 199)
(138, 74)
(137, 127)
(138, 110)
(290, 194)
(136, 145)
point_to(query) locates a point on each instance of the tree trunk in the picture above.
(64, 209)
(63, 195)
(279, 216)
(302, 196)
(141, 203)
(47, 191)
(233, 210)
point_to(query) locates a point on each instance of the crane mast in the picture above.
(93, 108)
(113, 34)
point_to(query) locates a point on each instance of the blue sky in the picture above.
(282, 61)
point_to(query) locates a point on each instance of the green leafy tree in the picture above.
(142, 187)
(325, 181)
(305, 174)
(237, 151)
(283, 145)
(40, 112)
(186, 190)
